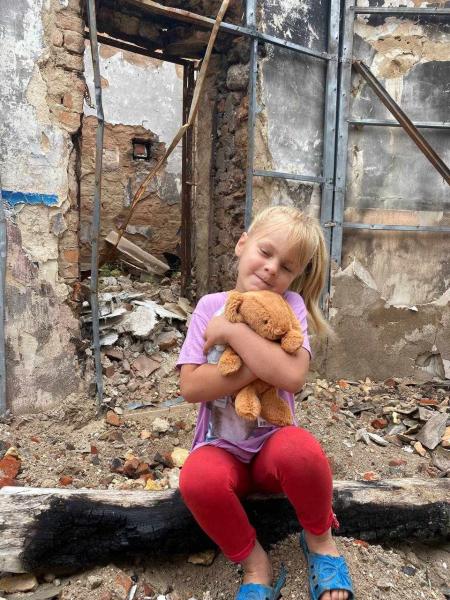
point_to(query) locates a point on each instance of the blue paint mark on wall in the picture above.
(14, 198)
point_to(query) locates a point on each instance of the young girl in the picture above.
(282, 251)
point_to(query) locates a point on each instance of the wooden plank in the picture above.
(135, 253)
(44, 530)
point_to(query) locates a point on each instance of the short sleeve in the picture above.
(298, 306)
(192, 349)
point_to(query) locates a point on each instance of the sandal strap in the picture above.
(326, 572)
(257, 591)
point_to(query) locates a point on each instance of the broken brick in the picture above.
(65, 480)
(370, 476)
(123, 584)
(397, 462)
(379, 423)
(113, 419)
(9, 466)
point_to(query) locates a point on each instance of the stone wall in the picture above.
(41, 101)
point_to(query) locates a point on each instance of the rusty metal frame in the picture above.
(403, 119)
(337, 224)
(187, 175)
(136, 49)
(95, 227)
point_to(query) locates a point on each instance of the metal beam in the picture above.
(403, 119)
(3, 254)
(95, 228)
(108, 41)
(201, 21)
(387, 123)
(329, 138)
(186, 181)
(376, 227)
(342, 132)
(292, 176)
(403, 10)
(252, 82)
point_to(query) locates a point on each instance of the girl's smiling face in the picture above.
(266, 262)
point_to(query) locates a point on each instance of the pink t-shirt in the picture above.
(217, 422)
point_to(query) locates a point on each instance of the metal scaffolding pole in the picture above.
(3, 254)
(95, 229)
(252, 83)
(342, 138)
(442, 125)
(329, 137)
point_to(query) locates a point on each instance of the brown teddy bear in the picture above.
(270, 316)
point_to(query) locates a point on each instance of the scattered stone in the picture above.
(160, 425)
(145, 435)
(203, 558)
(168, 339)
(362, 435)
(174, 478)
(433, 430)
(370, 476)
(420, 449)
(94, 581)
(409, 570)
(179, 456)
(377, 439)
(446, 438)
(18, 583)
(144, 366)
(397, 462)
(153, 486)
(379, 423)
(115, 353)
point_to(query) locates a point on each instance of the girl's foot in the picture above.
(257, 567)
(325, 544)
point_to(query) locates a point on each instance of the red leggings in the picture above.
(291, 461)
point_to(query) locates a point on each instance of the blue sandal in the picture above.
(257, 591)
(326, 573)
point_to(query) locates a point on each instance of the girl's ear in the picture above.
(240, 245)
(233, 306)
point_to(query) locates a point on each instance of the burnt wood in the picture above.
(61, 530)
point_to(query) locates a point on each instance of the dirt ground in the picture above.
(74, 442)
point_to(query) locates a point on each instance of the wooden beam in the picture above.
(170, 12)
(54, 530)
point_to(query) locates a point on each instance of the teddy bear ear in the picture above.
(233, 306)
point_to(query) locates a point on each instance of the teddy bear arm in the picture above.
(229, 362)
(293, 339)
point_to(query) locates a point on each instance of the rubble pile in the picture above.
(394, 415)
(142, 325)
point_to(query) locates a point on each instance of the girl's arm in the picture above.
(202, 383)
(266, 359)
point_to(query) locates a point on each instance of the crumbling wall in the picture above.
(142, 99)
(229, 163)
(41, 101)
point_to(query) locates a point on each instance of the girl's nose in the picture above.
(270, 266)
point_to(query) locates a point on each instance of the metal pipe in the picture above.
(431, 228)
(201, 21)
(342, 132)
(387, 123)
(186, 182)
(403, 119)
(3, 254)
(294, 177)
(95, 229)
(252, 82)
(403, 10)
(329, 136)
(109, 41)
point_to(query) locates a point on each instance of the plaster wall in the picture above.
(37, 168)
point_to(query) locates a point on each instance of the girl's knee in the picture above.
(294, 446)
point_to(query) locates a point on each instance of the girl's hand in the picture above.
(216, 332)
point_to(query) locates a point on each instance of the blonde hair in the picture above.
(305, 235)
